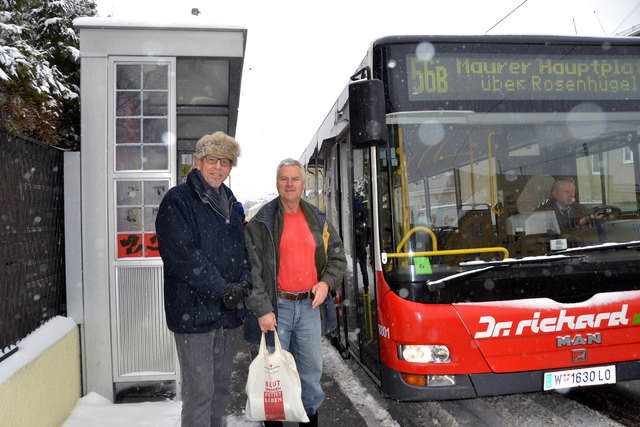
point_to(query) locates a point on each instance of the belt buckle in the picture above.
(299, 296)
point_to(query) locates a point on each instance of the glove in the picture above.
(235, 294)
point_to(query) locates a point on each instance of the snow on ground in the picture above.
(93, 410)
(366, 404)
(234, 420)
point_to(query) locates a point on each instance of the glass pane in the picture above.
(127, 131)
(194, 127)
(129, 219)
(365, 296)
(130, 245)
(127, 104)
(128, 158)
(202, 82)
(155, 104)
(128, 193)
(128, 77)
(520, 183)
(184, 167)
(155, 76)
(154, 191)
(155, 157)
(442, 210)
(151, 244)
(150, 214)
(154, 130)
(588, 179)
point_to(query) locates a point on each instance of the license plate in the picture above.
(580, 377)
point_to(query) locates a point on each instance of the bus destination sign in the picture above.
(523, 77)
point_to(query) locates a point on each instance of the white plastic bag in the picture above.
(273, 386)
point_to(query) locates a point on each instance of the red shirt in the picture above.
(297, 269)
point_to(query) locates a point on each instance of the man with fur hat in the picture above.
(206, 275)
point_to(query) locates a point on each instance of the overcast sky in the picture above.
(300, 54)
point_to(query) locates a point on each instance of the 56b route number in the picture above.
(428, 77)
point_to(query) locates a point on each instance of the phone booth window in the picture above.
(137, 203)
(142, 117)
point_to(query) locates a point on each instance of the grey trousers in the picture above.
(205, 364)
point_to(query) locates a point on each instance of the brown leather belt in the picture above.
(295, 297)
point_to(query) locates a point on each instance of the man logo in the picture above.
(579, 340)
(579, 355)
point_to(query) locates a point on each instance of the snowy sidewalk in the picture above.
(347, 402)
(94, 410)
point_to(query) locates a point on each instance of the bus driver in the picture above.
(562, 199)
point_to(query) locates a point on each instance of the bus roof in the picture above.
(493, 38)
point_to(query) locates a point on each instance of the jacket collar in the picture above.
(195, 181)
(267, 214)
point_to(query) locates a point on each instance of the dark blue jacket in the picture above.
(202, 252)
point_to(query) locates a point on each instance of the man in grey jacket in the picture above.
(296, 258)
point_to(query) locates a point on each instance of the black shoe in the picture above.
(313, 421)
(272, 423)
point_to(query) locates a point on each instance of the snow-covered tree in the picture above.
(40, 69)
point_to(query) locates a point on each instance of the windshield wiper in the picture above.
(504, 264)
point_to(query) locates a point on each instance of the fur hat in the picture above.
(218, 143)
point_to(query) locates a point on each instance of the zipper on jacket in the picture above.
(275, 266)
(206, 199)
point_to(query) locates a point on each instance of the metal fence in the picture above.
(32, 276)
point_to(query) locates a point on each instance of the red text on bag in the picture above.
(273, 401)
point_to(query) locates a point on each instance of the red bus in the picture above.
(445, 163)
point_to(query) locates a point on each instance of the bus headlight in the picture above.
(424, 353)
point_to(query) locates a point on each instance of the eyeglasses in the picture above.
(212, 160)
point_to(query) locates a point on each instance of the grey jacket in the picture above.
(262, 238)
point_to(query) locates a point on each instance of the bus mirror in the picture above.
(366, 113)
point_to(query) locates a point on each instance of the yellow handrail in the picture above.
(492, 189)
(434, 242)
(450, 252)
(404, 181)
(434, 245)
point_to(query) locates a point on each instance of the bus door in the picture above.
(359, 328)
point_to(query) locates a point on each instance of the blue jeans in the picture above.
(300, 334)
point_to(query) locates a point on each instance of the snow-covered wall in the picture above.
(40, 383)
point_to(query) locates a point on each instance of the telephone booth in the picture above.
(149, 91)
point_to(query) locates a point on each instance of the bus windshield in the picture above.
(467, 186)
(507, 150)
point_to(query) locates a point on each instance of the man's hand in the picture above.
(235, 294)
(583, 221)
(320, 292)
(268, 322)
